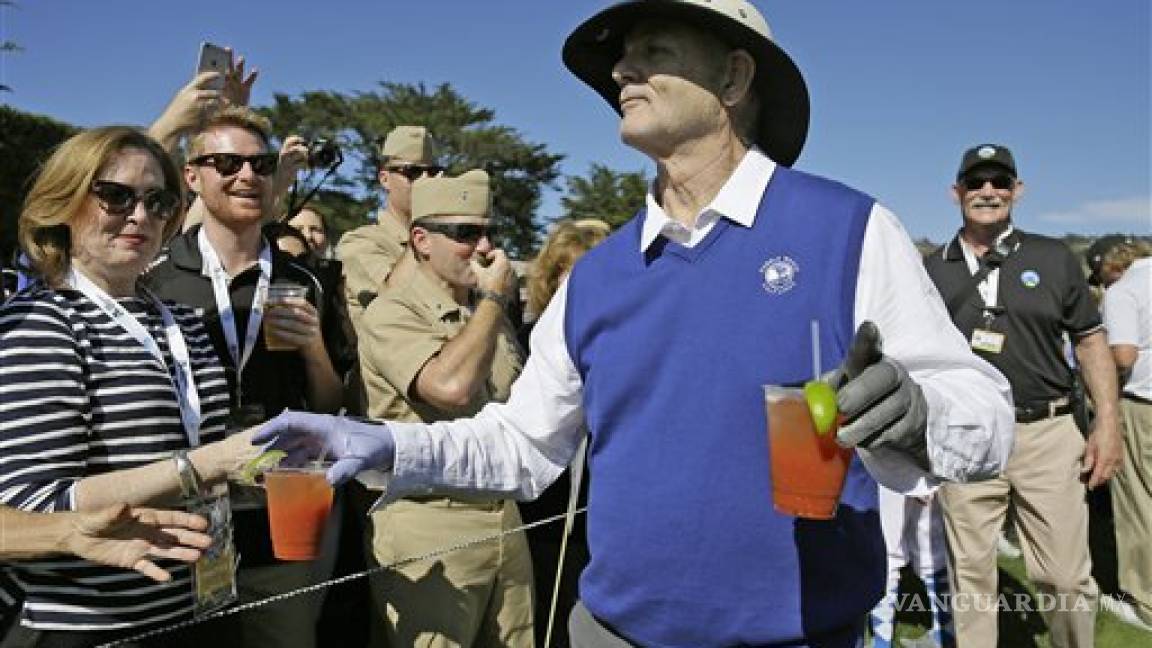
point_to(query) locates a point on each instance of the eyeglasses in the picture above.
(469, 233)
(1001, 181)
(416, 171)
(230, 163)
(120, 200)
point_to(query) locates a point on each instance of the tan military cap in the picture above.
(411, 144)
(465, 195)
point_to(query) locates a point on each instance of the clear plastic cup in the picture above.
(299, 501)
(278, 296)
(808, 469)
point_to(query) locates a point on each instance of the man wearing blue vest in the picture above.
(662, 336)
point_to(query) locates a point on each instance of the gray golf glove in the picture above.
(882, 406)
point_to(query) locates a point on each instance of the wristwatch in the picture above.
(189, 480)
(501, 300)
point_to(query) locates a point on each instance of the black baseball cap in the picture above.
(1094, 255)
(987, 155)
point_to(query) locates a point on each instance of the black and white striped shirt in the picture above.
(79, 396)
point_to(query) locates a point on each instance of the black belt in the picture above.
(1139, 399)
(1040, 411)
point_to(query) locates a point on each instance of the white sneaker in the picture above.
(1123, 610)
(1005, 548)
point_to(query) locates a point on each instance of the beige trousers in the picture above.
(1132, 506)
(478, 596)
(1042, 481)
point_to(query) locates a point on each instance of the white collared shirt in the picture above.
(1128, 318)
(737, 201)
(518, 448)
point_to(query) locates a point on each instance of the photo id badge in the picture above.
(987, 341)
(242, 497)
(214, 575)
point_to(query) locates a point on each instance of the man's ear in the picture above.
(957, 194)
(421, 246)
(740, 69)
(382, 176)
(192, 178)
(1018, 191)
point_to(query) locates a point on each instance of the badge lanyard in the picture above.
(985, 338)
(990, 287)
(182, 380)
(220, 280)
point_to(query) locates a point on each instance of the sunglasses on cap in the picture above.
(227, 164)
(416, 171)
(120, 200)
(469, 233)
(1001, 181)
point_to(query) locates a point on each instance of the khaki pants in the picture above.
(1042, 481)
(1132, 505)
(478, 596)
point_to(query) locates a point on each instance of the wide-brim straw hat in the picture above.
(594, 47)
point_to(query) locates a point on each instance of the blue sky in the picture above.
(899, 87)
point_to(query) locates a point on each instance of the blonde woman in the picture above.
(107, 394)
(566, 243)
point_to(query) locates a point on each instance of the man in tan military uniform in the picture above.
(370, 252)
(436, 345)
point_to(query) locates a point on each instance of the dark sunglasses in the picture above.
(416, 171)
(120, 200)
(999, 181)
(227, 164)
(469, 233)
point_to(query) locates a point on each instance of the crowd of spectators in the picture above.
(136, 369)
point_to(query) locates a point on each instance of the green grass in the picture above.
(1023, 629)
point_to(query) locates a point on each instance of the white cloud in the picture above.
(1136, 210)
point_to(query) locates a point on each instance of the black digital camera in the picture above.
(323, 154)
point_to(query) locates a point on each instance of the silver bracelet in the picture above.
(189, 480)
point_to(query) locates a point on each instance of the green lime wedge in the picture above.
(822, 404)
(263, 462)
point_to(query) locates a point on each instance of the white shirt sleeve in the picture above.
(514, 449)
(971, 425)
(1121, 316)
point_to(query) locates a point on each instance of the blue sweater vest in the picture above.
(673, 346)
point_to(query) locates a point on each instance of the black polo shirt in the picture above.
(274, 380)
(1042, 293)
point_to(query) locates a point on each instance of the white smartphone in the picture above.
(214, 58)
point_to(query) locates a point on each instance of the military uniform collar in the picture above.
(391, 225)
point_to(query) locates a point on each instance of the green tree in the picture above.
(27, 142)
(609, 195)
(467, 136)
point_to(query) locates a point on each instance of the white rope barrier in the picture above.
(271, 600)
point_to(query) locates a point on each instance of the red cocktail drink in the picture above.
(299, 500)
(808, 469)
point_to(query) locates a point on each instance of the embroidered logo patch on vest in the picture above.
(1030, 278)
(779, 274)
